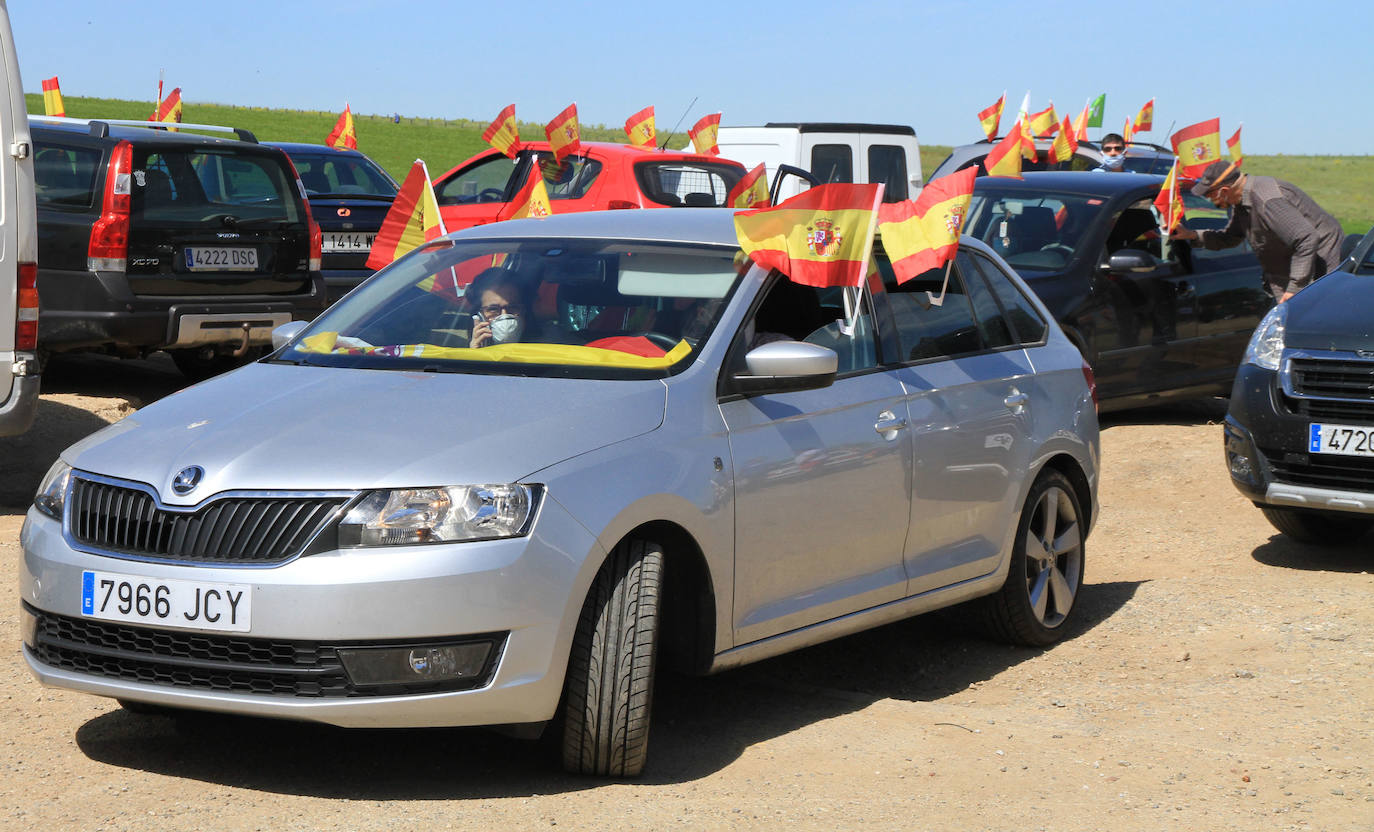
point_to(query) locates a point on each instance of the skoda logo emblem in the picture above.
(187, 479)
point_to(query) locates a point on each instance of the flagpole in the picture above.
(157, 110)
(852, 313)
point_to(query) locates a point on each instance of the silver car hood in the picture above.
(269, 426)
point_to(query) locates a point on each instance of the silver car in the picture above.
(515, 470)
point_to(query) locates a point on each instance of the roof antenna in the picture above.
(673, 132)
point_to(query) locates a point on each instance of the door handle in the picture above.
(1017, 401)
(888, 424)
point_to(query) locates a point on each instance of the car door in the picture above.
(476, 193)
(822, 477)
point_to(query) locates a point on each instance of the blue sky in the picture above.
(1297, 75)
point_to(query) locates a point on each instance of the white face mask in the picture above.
(506, 328)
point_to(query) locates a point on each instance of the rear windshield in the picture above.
(567, 307)
(693, 184)
(342, 174)
(64, 177)
(197, 185)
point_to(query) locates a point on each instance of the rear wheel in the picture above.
(1323, 527)
(610, 680)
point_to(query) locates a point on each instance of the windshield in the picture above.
(342, 174)
(1032, 231)
(1152, 163)
(569, 307)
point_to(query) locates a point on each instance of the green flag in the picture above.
(1095, 111)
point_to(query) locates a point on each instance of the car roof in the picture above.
(306, 147)
(1093, 183)
(620, 149)
(122, 132)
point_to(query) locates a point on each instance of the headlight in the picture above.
(52, 491)
(439, 515)
(1266, 345)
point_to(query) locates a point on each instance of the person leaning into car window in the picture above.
(499, 308)
(1113, 153)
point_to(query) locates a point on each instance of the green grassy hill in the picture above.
(1344, 185)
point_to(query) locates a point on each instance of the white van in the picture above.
(832, 152)
(18, 248)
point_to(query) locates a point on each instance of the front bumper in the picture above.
(520, 589)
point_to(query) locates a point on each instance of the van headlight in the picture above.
(449, 514)
(1266, 345)
(52, 491)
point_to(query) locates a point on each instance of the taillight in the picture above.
(316, 236)
(1092, 382)
(621, 203)
(26, 333)
(109, 248)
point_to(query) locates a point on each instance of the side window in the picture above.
(64, 177)
(992, 324)
(570, 178)
(1021, 314)
(832, 163)
(485, 181)
(1200, 214)
(926, 331)
(793, 312)
(1137, 228)
(887, 164)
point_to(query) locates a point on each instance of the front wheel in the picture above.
(1035, 603)
(610, 681)
(1326, 528)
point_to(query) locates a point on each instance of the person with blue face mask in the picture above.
(1113, 153)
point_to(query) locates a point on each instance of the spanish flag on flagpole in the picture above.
(821, 237)
(503, 134)
(343, 134)
(52, 97)
(923, 235)
(1169, 202)
(1044, 122)
(413, 219)
(1145, 119)
(1128, 131)
(705, 134)
(532, 199)
(991, 118)
(1005, 157)
(1197, 146)
(1065, 145)
(1233, 145)
(565, 136)
(640, 128)
(751, 191)
(169, 111)
(1080, 125)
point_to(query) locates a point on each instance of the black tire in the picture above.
(1036, 603)
(609, 689)
(1326, 528)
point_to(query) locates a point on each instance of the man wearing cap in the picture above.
(1295, 240)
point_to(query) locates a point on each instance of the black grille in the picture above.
(1322, 410)
(1346, 473)
(1333, 378)
(213, 662)
(126, 520)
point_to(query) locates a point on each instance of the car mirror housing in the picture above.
(1132, 260)
(282, 335)
(783, 366)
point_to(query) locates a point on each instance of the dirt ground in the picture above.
(1219, 678)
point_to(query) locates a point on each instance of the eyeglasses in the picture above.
(493, 309)
(1114, 148)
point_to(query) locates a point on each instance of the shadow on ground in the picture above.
(1190, 412)
(701, 725)
(1283, 552)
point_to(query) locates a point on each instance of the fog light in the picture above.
(415, 664)
(1241, 468)
(28, 627)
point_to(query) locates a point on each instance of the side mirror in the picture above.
(1132, 260)
(283, 334)
(784, 366)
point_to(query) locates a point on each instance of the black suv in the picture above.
(1300, 429)
(150, 239)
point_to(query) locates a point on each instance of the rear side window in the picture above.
(64, 177)
(198, 185)
(992, 323)
(887, 164)
(570, 178)
(1028, 327)
(925, 330)
(695, 185)
(832, 163)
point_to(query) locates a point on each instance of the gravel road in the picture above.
(1220, 679)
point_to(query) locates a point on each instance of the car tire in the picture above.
(609, 689)
(1037, 600)
(1326, 528)
(197, 367)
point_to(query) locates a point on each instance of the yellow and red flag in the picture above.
(640, 128)
(991, 118)
(1005, 157)
(751, 191)
(820, 237)
(1045, 122)
(565, 136)
(1169, 202)
(1065, 145)
(532, 200)
(413, 219)
(1027, 138)
(1145, 119)
(1127, 131)
(503, 134)
(169, 111)
(1197, 146)
(1080, 124)
(1233, 146)
(52, 97)
(923, 235)
(705, 134)
(343, 134)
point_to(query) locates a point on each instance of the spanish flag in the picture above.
(1005, 157)
(1027, 139)
(1170, 201)
(503, 134)
(1197, 146)
(1233, 145)
(821, 237)
(640, 128)
(532, 200)
(1145, 119)
(565, 136)
(1065, 145)
(52, 97)
(1128, 132)
(923, 235)
(413, 219)
(343, 134)
(169, 111)
(751, 191)
(705, 134)
(991, 118)
(1045, 122)
(1080, 125)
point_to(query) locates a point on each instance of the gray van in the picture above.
(18, 249)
